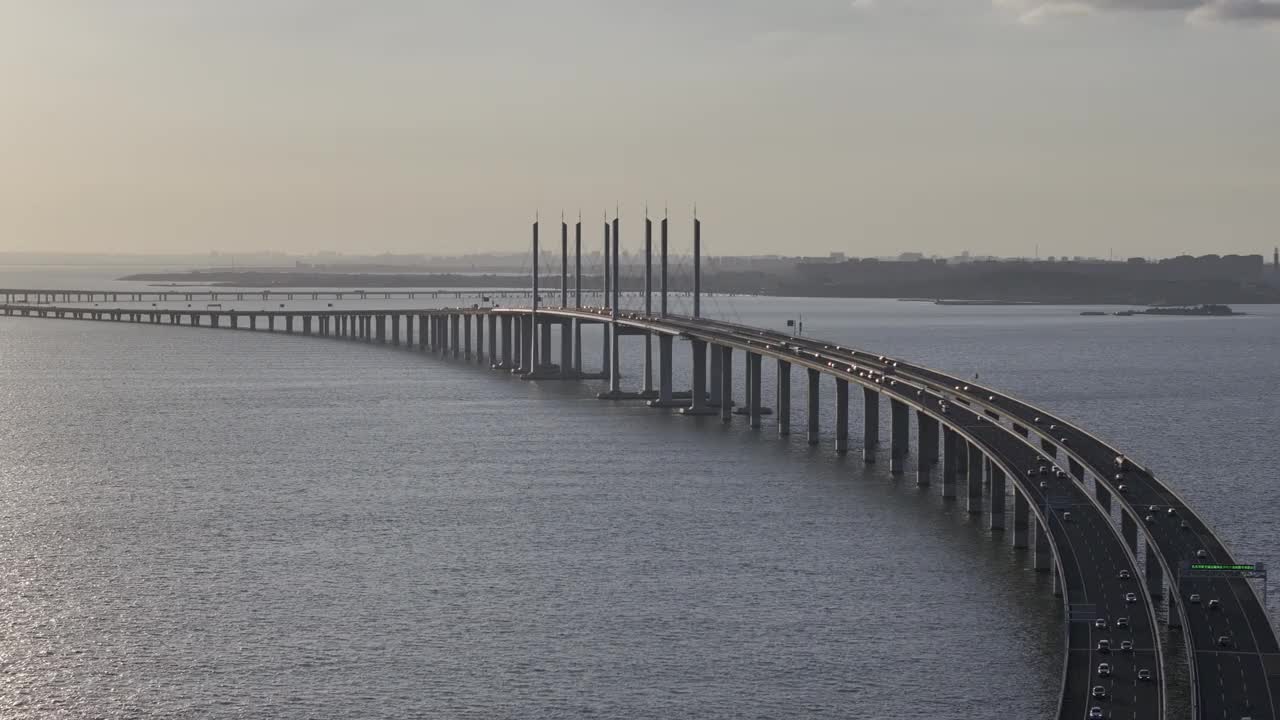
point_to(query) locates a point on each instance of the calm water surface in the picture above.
(214, 524)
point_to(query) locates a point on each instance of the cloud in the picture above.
(1196, 11)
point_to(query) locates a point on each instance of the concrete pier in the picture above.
(1021, 520)
(870, 424)
(466, 337)
(395, 330)
(698, 399)
(753, 390)
(1043, 554)
(528, 339)
(997, 498)
(665, 398)
(973, 481)
(899, 434)
(716, 389)
(507, 341)
(1129, 531)
(382, 329)
(567, 369)
(1155, 576)
(842, 416)
(1103, 494)
(1076, 469)
(928, 450)
(726, 357)
(544, 343)
(812, 397)
(493, 357)
(951, 461)
(782, 389)
(927, 430)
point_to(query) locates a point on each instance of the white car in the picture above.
(1104, 670)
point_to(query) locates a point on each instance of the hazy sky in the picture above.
(797, 126)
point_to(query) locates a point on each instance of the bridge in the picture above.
(1114, 538)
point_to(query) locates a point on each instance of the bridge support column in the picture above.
(408, 331)
(783, 390)
(664, 371)
(466, 339)
(288, 324)
(647, 392)
(716, 367)
(1043, 554)
(306, 324)
(1076, 469)
(615, 362)
(395, 329)
(814, 377)
(973, 480)
(901, 431)
(506, 342)
(455, 335)
(1021, 519)
(726, 383)
(424, 332)
(544, 344)
(577, 345)
(1103, 495)
(566, 349)
(870, 424)
(494, 358)
(527, 341)
(950, 461)
(1129, 531)
(997, 498)
(753, 390)
(382, 329)
(698, 401)
(929, 448)
(842, 416)
(927, 429)
(1155, 576)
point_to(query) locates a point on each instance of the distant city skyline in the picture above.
(868, 127)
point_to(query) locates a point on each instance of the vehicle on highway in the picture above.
(1122, 487)
(1202, 554)
(1144, 674)
(1100, 623)
(1104, 670)
(1194, 599)
(1095, 713)
(1126, 646)
(1122, 623)
(1098, 691)
(1044, 485)
(1149, 518)
(1214, 604)
(1170, 511)
(1131, 598)
(1066, 516)
(1124, 575)
(1224, 641)
(1184, 525)
(1104, 646)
